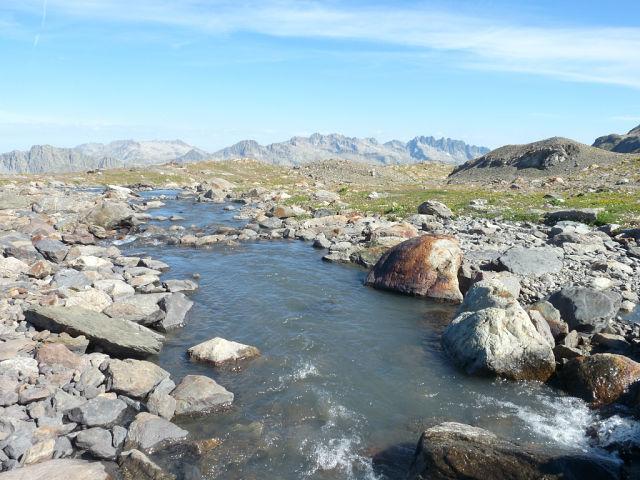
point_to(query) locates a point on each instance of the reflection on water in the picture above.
(347, 373)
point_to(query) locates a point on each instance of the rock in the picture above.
(218, 351)
(98, 412)
(97, 441)
(600, 379)
(39, 452)
(90, 262)
(19, 367)
(116, 336)
(582, 215)
(12, 267)
(451, 451)
(71, 278)
(510, 281)
(148, 431)
(175, 307)
(41, 269)
(134, 378)
(425, 266)
(108, 214)
(180, 286)
(161, 404)
(586, 309)
(143, 309)
(90, 299)
(610, 341)
(8, 391)
(283, 211)
(61, 469)
(154, 264)
(57, 354)
(325, 196)
(53, 250)
(437, 209)
(200, 394)
(531, 261)
(542, 327)
(551, 314)
(136, 464)
(115, 288)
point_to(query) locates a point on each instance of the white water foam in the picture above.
(125, 240)
(306, 370)
(617, 430)
(340, 455)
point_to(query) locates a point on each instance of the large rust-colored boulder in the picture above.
(425, 266)
(600, 379)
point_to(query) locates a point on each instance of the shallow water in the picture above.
(348, 377)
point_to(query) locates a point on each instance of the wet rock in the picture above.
(494, 336)
(53, 250)
(531, 261)
(586, 309)
(136, 464)
(134, 378)
(62, 469)
(218, 351)
(425, 266)
(600, 379)
(148, 431)
(175, 307)
(116, 336)
(451, 451)
(180, 286)
(200, 394)
(97, 441)
(98, 412)
(437, 209)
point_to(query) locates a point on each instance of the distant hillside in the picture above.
(553, 156)
(121, 153)
(301, 150)
(629, 143)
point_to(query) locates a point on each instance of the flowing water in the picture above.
(348, 376)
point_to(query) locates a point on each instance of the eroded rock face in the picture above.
(452, 451)
(493, 335)
(425, 266)
(601, 378)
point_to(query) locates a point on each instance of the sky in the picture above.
(215, 72)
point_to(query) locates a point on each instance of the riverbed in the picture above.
(348, 377)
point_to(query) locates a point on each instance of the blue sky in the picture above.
(215, 72)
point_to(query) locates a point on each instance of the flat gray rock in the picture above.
(532, 261)
(148, 431)
(97, 441)
(114, 335)
(98, 412)
(53, 250)
(586, 309)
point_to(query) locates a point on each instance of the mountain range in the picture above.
(296, 151)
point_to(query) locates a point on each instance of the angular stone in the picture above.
(71, 278)
(175, 307)
(115, 288)
(586, 309)
(134, 378)
(161, 404)
(90, 299)
(437, 209)
(98, 412)
(143, 309)
(532, 262)
(148, 431)
(57, 354)
(53, 250)
(218, 351)
(200, 394)
(425, 266)
(97, 441)
(61, 469)
(115, 336)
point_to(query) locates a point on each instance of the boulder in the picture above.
(200, 394)
(71, 278)
(57, 354)
(425, 266)
(98, 412)
(90, 299)
(551, 314)
(62, 469)
(437, 209)
(53, 250)
(143, 309)
(532, 262)
(175, 307)
(133, 378)
(581, 215)
(97, 441)
(218, 351)
(115, 336)
(114, 287)
(108, 214)
(180, 286)
(451, 451)
(161, 404)
(148, 431)
(586, 309)
(600, 379)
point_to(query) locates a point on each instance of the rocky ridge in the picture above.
(629, 143)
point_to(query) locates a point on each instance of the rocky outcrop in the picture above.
(116, 336)
(629, 143)
(493, 335)
(600, 379)
(424, 266)
(452, 451)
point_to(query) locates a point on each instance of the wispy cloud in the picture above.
(583, 54)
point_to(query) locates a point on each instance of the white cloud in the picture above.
(585, 54)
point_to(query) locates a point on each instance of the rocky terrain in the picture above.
(80, 321)
(553, 156)
(303, 150)
(629, 143)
